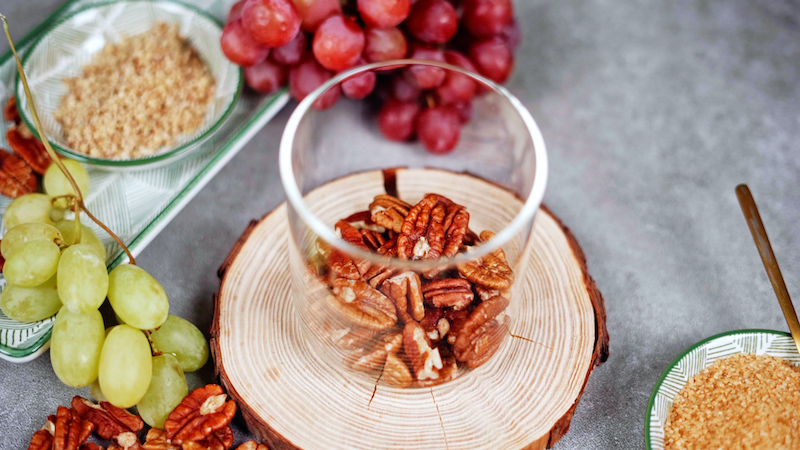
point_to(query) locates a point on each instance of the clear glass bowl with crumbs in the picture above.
(407, 267)
(130, 85)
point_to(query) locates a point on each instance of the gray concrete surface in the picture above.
(652, 111)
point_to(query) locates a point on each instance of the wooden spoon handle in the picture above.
(768, 258)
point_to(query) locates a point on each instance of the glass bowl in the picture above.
(63, 50)
(403, 262)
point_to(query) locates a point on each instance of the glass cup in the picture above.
(408, 266)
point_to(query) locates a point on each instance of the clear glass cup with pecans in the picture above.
(407, 266)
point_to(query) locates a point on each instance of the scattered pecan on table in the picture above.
(66, 430)
(200, 415)
(110, 422)
(418, 328)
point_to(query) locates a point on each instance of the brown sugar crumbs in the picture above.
(742, 402)
(137, 96)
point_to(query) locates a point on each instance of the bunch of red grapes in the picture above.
(305, 42)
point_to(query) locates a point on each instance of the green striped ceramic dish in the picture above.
(137, 205)
(702, 355)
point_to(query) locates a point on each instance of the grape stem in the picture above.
(77, 199)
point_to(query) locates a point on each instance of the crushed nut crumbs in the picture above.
(743, 402)
(137, 96)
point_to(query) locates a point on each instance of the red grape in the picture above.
(361, 85)
(236, 11)
(404, 91)
(456, 88)
(397, 119)
(309, 75)
(266, 77)
(271, 23)
(464, 110)
(486, 18)
(291, 53)
(493, 59)
(438, 128)
(425, 77)
(239, 47)
(385, 44)
(314, 12)
(338, 43)
(383, 13)
(432, 21)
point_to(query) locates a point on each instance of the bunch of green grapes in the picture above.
(140, 362)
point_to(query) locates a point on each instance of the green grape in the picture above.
(167, 389)
(126, 366)
(28, 208)
(67, 229)
(57, 214)
(96, 392)
(32, 263)
(137, 298)
(26, 232)
(82, 278)
(56, 184)
(31, 304)
(181, 338)
(76, 345)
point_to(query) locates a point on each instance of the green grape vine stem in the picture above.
(77, 199)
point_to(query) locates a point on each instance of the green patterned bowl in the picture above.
(698, 357)
(71, 43)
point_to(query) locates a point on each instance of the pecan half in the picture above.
(425, 361)
(157, 440)
(455, 224)
(109, 421)
(406, 292)
(448, 372)
(16, 176)
(362, 304)
(435, 324)
(343, 265)
(10, 112)
(389, 212)
(491, 271)
(388, 344)
(422, 233)
(66, 429)
(199, 415)
(453, 293)
(219, 440)
(481, 335)
(396, 372)
(30, 149)
(252, 445)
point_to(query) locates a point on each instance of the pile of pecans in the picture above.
(200, 422)
(18, 170)
(418, 327)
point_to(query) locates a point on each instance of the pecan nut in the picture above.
(435, 324)
(456, 223)
(10, 112)
(422, 233)
(109, 421)
(362, 304)
(481, 335)
(453, 293)
(425, 361)
(30, 149)
(157, 440)
(199, 415)
(389, 212)
(63, 431)
(390, 343)
(219, 440)
(396, 372)
(448, 372)
(342, 264)
(16, 176)
(406, 291)
(491, 271)
(252, 445)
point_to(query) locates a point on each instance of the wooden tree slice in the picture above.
(524, 397)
